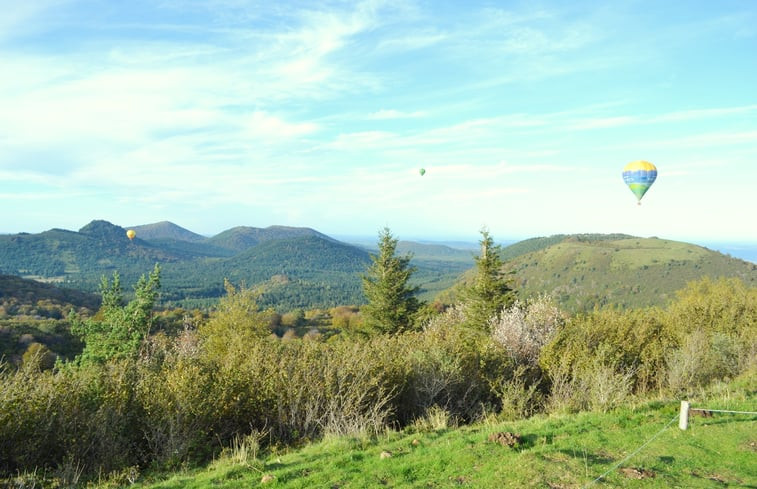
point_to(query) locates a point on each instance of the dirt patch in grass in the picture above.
(636, 473)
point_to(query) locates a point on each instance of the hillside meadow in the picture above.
(633, 446)
(584, 271)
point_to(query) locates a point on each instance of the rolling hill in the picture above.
(297, 267)
(165, 230)
(97, 248)
(24, 292)
(300, 272)
(583, 271)
(302, 268)
(34, 312)
(241, 238)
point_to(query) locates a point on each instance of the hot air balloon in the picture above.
(639, 176)
(422, 171)
(130, 234)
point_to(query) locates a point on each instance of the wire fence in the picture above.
(721, 411)
(630, 455)
(682, 418)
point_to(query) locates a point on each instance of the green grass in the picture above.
(569, 451)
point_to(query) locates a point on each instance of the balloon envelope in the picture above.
(422, 171)
(639, 176)
(130, 234)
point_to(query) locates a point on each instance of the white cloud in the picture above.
(411, 42)
(262, 125)
(385, 114)
(298, 111)
(603, 122)
(358, 141)
(697, 114)
(23, 18)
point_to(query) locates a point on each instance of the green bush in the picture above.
(703, 359)
(38, 356)
(453, 367)
(725, 306)
(638, 341)
(181, 397)
(716, 327)
(81, 416)
(708, 333)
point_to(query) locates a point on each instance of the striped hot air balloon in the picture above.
(639, 176)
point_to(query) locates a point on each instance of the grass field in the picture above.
(632, 447)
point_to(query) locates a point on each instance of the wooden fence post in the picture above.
(683, 420)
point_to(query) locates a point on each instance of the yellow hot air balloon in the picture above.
(130, 234)
(639, 176)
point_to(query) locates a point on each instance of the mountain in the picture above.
(297, 267)
(428, 251)
(241, 238)
(97, 248)
(175, 239)
(535, 244)
(302, 271)
(303, 268)
(584, 270)
(165, 230)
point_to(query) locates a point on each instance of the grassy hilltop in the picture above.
(583, 271)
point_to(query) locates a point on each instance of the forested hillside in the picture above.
(166, 230)
(33, 314)
(299, 272)
(298, 267)
(302, 268)
(294, 267)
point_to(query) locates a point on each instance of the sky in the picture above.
(220, 113)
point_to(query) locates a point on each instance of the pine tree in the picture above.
(117, 331)
(392, 305)
(490, 291)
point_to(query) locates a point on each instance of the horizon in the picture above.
(522, 117)
(742, 249)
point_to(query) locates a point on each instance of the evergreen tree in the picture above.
(117, 331)
(392, 305)
(490, 291)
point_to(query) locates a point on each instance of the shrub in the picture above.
(637, 341)
(524, 329)
(178, 411)
(38, 356)
(520, 395)
(76, 417)
(725, 306)
(703, 359)
(716, 327)
(454, 367)
(340, 387)
(435, 418)
(607, 385)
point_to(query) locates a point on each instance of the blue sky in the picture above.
(219, 113)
